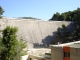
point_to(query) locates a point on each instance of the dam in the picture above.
(36, 33)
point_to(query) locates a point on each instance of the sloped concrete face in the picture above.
(35, 33)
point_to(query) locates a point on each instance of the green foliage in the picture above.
(29, 18)
(20, 51)
(14, 48)
(58, 32)
(55, 16)
(73, 16)
(63, 26)
(63, 34)
(10, 41)
(1, 11)
(66, 16)
(2, 47)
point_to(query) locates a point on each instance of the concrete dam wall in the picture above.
(36, 33)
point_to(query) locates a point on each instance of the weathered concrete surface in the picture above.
(36, 33)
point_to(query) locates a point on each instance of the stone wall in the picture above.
(35, 32)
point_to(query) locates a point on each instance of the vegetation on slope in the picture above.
(29, 18)
(66, 35)
(66, 16)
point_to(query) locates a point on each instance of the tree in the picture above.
(66, 16)
(20, 51)
(63, 34)
(2, 47)
(73, 16)
(28, 18)
(76, 21)
(14, 47)
(55, 16)
(10, 41)
(60, 18)
(1, 11)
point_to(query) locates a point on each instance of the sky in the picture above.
(42, 9)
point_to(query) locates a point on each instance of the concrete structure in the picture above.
(40, 54)
(36, 33)
(68, 51)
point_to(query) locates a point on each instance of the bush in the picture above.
(14, 48)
